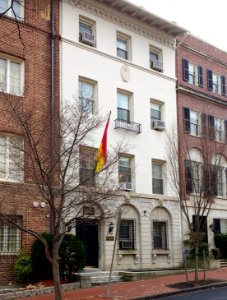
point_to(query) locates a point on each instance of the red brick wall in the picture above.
(198, 53)
(31, 42)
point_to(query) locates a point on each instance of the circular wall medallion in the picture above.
(125, 73)
(35, 204)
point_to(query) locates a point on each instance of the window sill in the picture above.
(160, 251)
(127, 252)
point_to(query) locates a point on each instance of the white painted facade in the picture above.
(111, 74)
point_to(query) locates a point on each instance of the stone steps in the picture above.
(98, 276)
(223, 263)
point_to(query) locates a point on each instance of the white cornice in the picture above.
(116, 19)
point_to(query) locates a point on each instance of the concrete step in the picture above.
(98, 276)
(223, 263)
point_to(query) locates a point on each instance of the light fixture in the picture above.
(145, 213)
(111, 228)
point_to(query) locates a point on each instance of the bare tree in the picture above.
(195, 175)
(59, 169)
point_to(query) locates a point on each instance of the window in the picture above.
(16, 11)
(156, 109)
(160, 235)
(10, 76)
(220, 183)
(86, 96)
(124, 170)
(122, 46)
(216, 83)
(157, 177)
(86, 32)
(192, 73)
(123, 104)
(87, 161)
(11, 158)
(220, 226)
(193, 176)
(155, 59)
(218, 129)
(127, 235)
(191, 121)
(10, 238)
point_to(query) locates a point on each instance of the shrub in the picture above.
(71, 252)
(23, 268)
(40, 265)
(72, 255)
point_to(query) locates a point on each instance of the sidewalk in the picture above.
(133, 290)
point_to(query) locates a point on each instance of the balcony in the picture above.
(128, 125)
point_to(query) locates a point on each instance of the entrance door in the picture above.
(88, 234)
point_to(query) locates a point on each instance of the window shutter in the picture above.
(186, 119)
(211, 127)
(225, 125)
(213, 180)
(223, 87)
(188, 176)
(200, 76)
(204, 124)
(217, 225)
(185, 69)
(209, 80)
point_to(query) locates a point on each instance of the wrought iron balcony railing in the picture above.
(128, 125)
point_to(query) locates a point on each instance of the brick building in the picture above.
(202, 113)
(25, 77)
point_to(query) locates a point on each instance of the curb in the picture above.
(184, 291)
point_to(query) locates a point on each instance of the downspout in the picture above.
(52, 106)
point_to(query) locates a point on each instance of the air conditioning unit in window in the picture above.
(159, 125)
(87, 38)
(157, 65)
(126, 244)
(125, 186)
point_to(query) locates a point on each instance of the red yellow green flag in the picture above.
(101, 156)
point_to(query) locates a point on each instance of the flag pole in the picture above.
(113, 254)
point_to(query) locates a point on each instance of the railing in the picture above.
(128, 125)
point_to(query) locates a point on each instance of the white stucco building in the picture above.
(120, 58)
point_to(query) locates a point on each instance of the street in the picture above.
(210, 294)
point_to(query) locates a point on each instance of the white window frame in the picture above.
(159, 179)
(194, 123)
(192, 73)
(219, 129)
(83, 98)
(5, 239)
(215, 83)
(89, 24)
(10, 13)
(125, 39)
(157, 55)
(5, 77)
(121, 174)
(8, 161)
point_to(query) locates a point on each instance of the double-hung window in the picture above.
(123, 107)
(127, 235)
(86, 31)
(220, 182)
(11, 76)
(218, 129)
(87, 163)
(13, 9)
(122, 46)
(155, 112)
(156, 59)
(11, 158)
(215, 81)
(124, 171)
(193, 173)
(191, 121)
(10, 238)
(160, 235)
(157, 177)
(86, 96)
(191, 73)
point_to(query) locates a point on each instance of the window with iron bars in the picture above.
(127, 235)
(10, 237)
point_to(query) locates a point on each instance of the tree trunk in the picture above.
(196, 264)
(56, 275)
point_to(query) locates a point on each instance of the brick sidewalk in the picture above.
(131, 290)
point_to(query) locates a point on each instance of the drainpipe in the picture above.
(52, 103)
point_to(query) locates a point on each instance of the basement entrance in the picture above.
(88, 234)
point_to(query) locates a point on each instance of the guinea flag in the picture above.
(101, 156)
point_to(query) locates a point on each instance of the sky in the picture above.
(206, 19)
